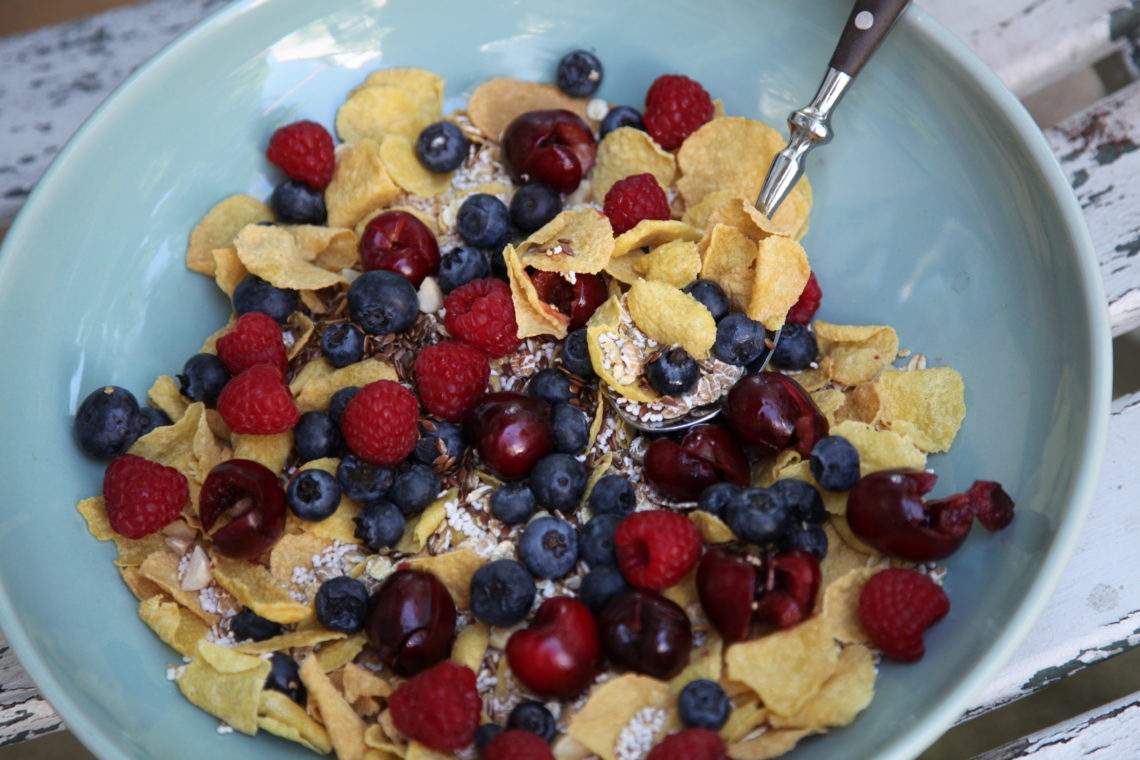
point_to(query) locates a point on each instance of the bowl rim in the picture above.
(1068, 530)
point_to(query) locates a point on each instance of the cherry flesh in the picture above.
(576, 300)
(644, 631)
(250, 494)
(554, 147)
(707, 454)
(511, 432)
(737, 590)
(559, 655)
(399, 242)
(771, 412)
(411, 621)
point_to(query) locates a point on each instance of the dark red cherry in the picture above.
(399, 242)
(707, 454)
(576, 300)
(554, 147)
(511, 432)
(559, 655)
(249, 494)
(411, 621)
(644, 631)
(737, 590)
(886, 509)
(771, 412)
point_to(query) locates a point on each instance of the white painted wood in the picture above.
(53, 78)
(1102, 160)
(24, 714)
(1032, 43)
(1110, 732)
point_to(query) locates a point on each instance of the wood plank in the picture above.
(24, 714)
(1102, 161)
(1033, 43)
(1107, 733)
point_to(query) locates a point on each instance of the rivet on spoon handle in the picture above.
(866, 27)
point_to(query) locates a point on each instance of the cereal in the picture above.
(784, 684)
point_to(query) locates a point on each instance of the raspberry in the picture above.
(255, 339)
(439, 707)
(635, 198)
(991, 504)
(804, 309)
(381, 422)
(482, 314)
(657, 548)
(450, 377)
(142, 496)
(690, 744)
(675, 107)
(518, 745)
(304, 151)
(896, 606)
(258, 402)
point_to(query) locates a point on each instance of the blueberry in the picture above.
(414, 489)
(618, 117)
(313, 495)
(571, 428)
(549, 547)
(502, 593)
(483, 221)
(203, 377)
(151, 418)
(340, 400)
(576, 354)
(363, 481)
(513, 503)
(558, 481)
(711, 295)
(108, 422)
(255, 294)
(249, 626)
(596, 542)
(801, 498)
(379, 524)
(342, 344)
(486, 734)
(600, 585)
(342, 604)
(811, 538)
(756, 516)
(438, 438)
(534, 205)
(551, 385)
(613, 495)
(715, 498)
(703, 704)
(285, 677)
(739, 340)
(383, 302)
(460, 266)
(835, 463)
(530, 715)
(294, 202)
(579, 74)
(499, 265)
(442, 147)
(672, 372)
(316, 436)
(796, 348)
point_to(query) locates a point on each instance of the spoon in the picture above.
(866, 27)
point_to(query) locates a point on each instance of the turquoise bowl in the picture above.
(939, 209)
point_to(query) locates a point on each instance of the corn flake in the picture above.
(845, 695)
(454, 570)
(782, 271)
(926, 405)
(344, 726)
(854, 354)
(602, 327)
(786, 668)
(375, 112)
(532, 315)
(743, 720)
(732, 153)
(315, 392)
(611, 706)
(712, 528)
(280, 715)
(226, 684)
(579, 241)
(272, 253)
(360, 184)
(841, 605)
(676, 263)
(269, 450)
(228, 269)
(404, 167)
(771, 743)
(496, 103)
(253, 586)
(672, 317)
(729, 259)
(471, 645)
(220, 226)
(174, 624)
(627, 151)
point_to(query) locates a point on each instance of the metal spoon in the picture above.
(867, 26)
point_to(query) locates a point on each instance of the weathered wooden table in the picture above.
(52, 78)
